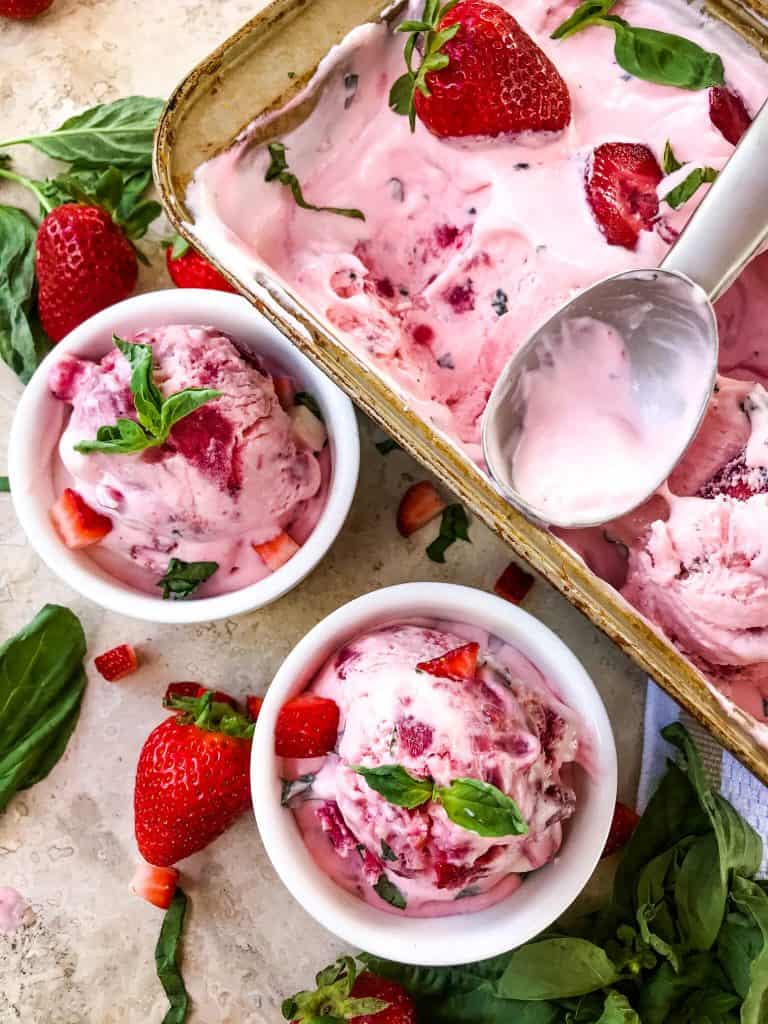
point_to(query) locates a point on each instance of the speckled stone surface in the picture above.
(67, 844)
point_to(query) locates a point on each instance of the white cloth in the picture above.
(739, 786)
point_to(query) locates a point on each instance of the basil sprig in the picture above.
(278, 171)
(646, 53)
(157, 415)
(41, 688)
(167, 957)
(182, 579)
(22, 341)
(682, 940)
(403, 92)
(471, 804)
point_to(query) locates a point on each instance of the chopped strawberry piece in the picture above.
(514, 583)
(154, 884)
(728, 114)
(415, 736)
(623, 825)
(116, 664)
(736, 480)
(307, 428)
(451, 876)
(307, 726)
(285, 391)
(276, 552)
(420, 504)
(77, 523)
(621, 183)
(186, 689)
(253, 707)
(459, 664)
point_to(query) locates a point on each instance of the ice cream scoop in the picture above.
(575, 439)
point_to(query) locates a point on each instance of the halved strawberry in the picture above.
(514, 583)
(459, 664)
(117, 663)
(253, 707)
(155, 885)
(623, 825)
(308, 428)
(621, 184)
(307, 726)
(77, 523)
(276, 552)
(285, 391)
(728, 113)
(420, 504)
(194, 690)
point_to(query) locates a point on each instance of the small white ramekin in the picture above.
(38, 422)
(545, 894)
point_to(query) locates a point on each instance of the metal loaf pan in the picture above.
(245, 78)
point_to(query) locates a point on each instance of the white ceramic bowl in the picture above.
(545, 894)
(40, 417)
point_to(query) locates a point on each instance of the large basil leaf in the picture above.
(666, 989)
(41, 688)
(394, 783)
(665, 59)
(701, 893)
(166, 960)
(752, 900)
(118, 134)
(482, 808)
(618, 1010)
(556, 969)
(146, 394)
(181, 404)
(22, 342)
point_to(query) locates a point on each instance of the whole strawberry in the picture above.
(480, 74)
(188, 269)
(84, 263)
(344, 995)
(192, 779)
(23, 10)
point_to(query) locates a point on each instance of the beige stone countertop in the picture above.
(67, 844)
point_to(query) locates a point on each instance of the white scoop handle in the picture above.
(731, 223)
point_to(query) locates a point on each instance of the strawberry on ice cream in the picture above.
(234, 474)
(441, 702)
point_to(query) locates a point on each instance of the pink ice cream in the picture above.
(233, 474)
(467, 247)
(504, 727)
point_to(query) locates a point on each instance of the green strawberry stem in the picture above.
(212, 715)
(19, 179)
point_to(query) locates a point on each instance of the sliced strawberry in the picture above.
(420, 504)
(116, 664)
(621, 184)
(307, 428)
(459, 664)
(194, 690)
(728, 114)
(276, 552)
(155, 885)
(307, 726)
(285, 391)
(623, 825)
(77, 523)
(514, 583)
(253, 707)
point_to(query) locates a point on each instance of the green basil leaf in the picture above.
(41, 687)
(670, 163)
(179, 247)
(679, 195)
(618, 1010)
(708, 1006)
(482, 808)
(663, 58)
(389, 892)
(585, 14)
(22, 341)
(182, 579)
(752, 901)
(387, 446)
(454, 525)
(146, 395)
(167, 960)
(387, 853)
(394, 783)
(701, 894)
(278, 171)
(181, 404)
(135, 184)
(118, 134)
(304, 398)
(431, 982)
(122, 438)
(5, 485)
(136, 223)
(556, 969)
(665, 989)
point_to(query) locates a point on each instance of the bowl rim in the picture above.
(232, 314)
(443, 940)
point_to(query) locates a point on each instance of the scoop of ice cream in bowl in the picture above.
(176, 459)
(433, 772)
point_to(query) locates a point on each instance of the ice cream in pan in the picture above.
(472, 236)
